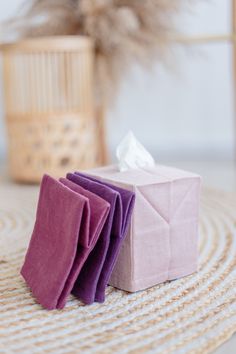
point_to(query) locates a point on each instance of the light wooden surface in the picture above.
(215, 174)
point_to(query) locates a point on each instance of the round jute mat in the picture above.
(192, 315)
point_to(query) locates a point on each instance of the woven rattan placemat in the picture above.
(192, 315)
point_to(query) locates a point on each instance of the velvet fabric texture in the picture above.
(162, 243)
(94, 277)
(64, 234)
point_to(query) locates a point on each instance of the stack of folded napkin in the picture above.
(80, 225)
(78, 244)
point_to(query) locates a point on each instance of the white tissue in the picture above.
(131, 154)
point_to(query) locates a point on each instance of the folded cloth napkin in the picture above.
(86, 284)
(121, 220)
(66, 229)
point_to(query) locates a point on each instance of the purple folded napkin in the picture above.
(67, 226)
(120, 220)
(86, 284)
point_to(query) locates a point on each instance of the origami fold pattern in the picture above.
(94, 277)
(64, 234)
(162, 243)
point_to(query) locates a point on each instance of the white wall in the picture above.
(186, 110)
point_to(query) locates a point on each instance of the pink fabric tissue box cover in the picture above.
(162, 243)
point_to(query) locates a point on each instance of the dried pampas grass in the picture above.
(124, 31)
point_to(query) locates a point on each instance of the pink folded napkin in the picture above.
(68, 224)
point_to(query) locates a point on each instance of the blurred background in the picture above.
(183, 112)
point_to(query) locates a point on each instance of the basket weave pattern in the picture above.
(49, 107)
(194, 314)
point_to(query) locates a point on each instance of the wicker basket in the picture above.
(49, 108)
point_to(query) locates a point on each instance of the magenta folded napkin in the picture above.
(123, 208)
(67, 226)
